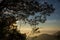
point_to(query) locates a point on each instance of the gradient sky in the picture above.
(54, 19)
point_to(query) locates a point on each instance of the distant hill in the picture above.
(55, 36)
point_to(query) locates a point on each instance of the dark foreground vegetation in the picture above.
(7, 30)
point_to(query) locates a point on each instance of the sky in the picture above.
(54, 19)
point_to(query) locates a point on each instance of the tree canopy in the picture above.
(14, 10)
(23, 9)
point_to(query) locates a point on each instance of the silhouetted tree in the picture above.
(6, 33)
(24, 8)
(13, 10)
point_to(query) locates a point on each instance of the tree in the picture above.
(28, 8)
(7, 30)
(13, 10)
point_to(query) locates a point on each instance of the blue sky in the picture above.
(54, 19)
